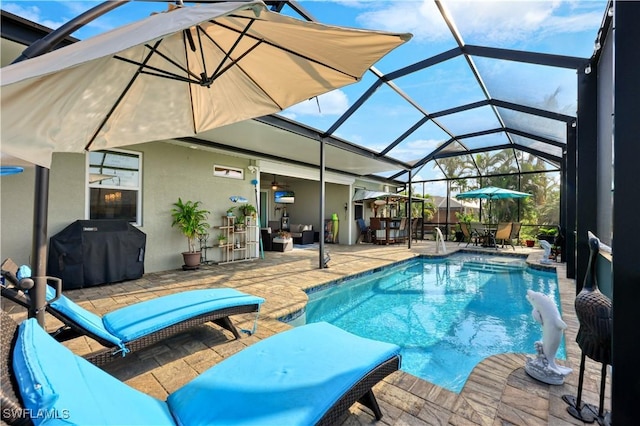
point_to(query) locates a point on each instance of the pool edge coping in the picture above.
(292, 316)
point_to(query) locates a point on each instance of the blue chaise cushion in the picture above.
(59, 387)
(84, 318)
(141, 319)
(291, 378)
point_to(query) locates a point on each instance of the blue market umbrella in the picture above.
(491, 193)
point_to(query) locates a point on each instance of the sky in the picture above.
(548, 26)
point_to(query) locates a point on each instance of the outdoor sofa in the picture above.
(307, 375)
(136, 326)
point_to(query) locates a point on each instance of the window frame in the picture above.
(137, 188)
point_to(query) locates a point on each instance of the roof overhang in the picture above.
(276, 138)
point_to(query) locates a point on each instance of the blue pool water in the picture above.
(446, 314)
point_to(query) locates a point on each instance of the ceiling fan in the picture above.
(275, 184)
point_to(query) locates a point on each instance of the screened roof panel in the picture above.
(470, 121)
(460, 166)
(442, 86)
(496, 162)
(530, 162)
(485, 141)
(384, 117)
(323, 111)
(538, 146)
(429, 171)
(534, 124)
(549, 88)
(454, 146)
(536, 26)
(425, 139)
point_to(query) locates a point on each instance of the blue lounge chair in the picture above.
(307, 375)
(136, 326)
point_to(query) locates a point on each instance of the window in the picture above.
(115, 190)
(358, 206)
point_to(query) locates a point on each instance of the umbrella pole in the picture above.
(490, 203)
(41, 197)
(39, 245)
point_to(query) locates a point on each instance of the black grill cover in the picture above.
(92, 252)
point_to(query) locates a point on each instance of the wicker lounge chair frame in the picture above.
(71, 329)
(12, 402)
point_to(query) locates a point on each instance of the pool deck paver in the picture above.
(498, 391)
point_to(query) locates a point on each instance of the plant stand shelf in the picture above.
(241, 242)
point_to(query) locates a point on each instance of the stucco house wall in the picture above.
(169, 171)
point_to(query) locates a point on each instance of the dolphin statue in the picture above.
(546, 246)
(545, 312)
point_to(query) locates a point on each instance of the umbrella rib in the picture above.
(122, 95)
(204, 62)
(154, 49)
(284, 49)
(160, 72)
(227, 55)
(235, 62)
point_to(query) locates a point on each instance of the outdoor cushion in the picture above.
(141, 319)
(89, 320)
(60, 387)
(300, 376)
(291, 378)
(131, 322)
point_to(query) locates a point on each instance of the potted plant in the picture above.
(548, 234)
(284, 235)
(239, 225)
(190, 220)
(222, 239)
(230, 211)
(248, 210)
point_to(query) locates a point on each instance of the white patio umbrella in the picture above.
(175, 74)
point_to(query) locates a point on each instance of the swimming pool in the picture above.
(447, 314)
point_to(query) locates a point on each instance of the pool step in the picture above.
(495, 265)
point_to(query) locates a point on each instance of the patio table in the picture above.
(489, 235)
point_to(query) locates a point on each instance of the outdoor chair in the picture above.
(365, 231)
(479, 231)
(378, 232)
(503, 232)
(399, 235)
(515, 235)
(136, 326)
(415, 227)
(307, 375)
(468, 234)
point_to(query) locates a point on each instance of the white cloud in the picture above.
(33, 13)
(486, 22)
(414, 150)
(422, 19)
(64, 12)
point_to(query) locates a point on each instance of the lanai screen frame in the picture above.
(579, 65)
